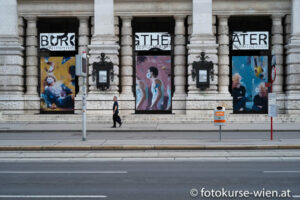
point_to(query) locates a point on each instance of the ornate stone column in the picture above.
(202, 39)
(292, 103)
(31, 59)
(32, 100)
(223, 40)
(11, 61)
(190, 27)
(178, 100)
(117, 29)
(83, 34)
(103, 41)
(83, 43)
(277, 51)
(287, 28)
(127, 98)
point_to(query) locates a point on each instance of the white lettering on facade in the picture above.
(57, 41)
(250, 41)
(147, 41)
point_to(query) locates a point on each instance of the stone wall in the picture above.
(207, 28)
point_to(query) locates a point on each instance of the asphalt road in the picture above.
(147, 135)
(144, 180)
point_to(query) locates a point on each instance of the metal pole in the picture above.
(271, 128)
(271, 117)
(84, 109)
(220, 133)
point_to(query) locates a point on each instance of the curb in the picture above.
(143, 130)
(146, 147)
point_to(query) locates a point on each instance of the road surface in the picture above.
(145, 180)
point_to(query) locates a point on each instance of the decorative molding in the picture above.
(57, 8)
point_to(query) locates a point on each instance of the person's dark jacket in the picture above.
(238, 92)
(260, 101)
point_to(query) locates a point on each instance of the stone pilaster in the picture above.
(83, 43)
(127, 98)
(31, 59)
(178, 100)
(11, 62)
(32, 100)
(225, 98)
(287, 36)
(223, 40)
(202, 39)
(287, 29)
(83, 34)
(117, 29)
(92, 25)
(190, 27)
(21, 31)
(103, 41)
(277, 51)
(292, 103)
(223, 51)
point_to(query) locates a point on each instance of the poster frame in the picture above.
(154, 25)
(54, 25)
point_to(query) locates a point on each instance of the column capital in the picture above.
(277, 16)
(83, 18)
(180, 17)
(223, 20)
(179, 25)
(31, 18)
(126, 18)
(277, 19)
(223, 17)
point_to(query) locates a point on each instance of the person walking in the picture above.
(116, 117)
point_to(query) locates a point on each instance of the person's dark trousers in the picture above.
(116, 118)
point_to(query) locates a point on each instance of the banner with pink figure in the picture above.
(153, 83)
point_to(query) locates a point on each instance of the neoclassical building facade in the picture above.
(243, 39)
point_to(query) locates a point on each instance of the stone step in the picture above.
(148, 118)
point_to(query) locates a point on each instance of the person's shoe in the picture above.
(113, 127)
(120, 124)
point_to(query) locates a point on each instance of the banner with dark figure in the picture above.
(57, 83)
(249, 78)
(153, 83)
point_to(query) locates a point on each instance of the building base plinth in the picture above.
(198, 104)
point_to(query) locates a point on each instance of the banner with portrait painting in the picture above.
(153, 83)
(57, 84)
(249, 78)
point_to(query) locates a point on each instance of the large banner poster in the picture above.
(249, 75)
(57, 83)
(153, 83)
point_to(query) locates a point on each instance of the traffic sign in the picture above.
(272, 106)
(273, 74)
(219, 116)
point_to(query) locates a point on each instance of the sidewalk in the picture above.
(33, 136)
(149, 127)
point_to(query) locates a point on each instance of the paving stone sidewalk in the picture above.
(129, 137)
(54, 126)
